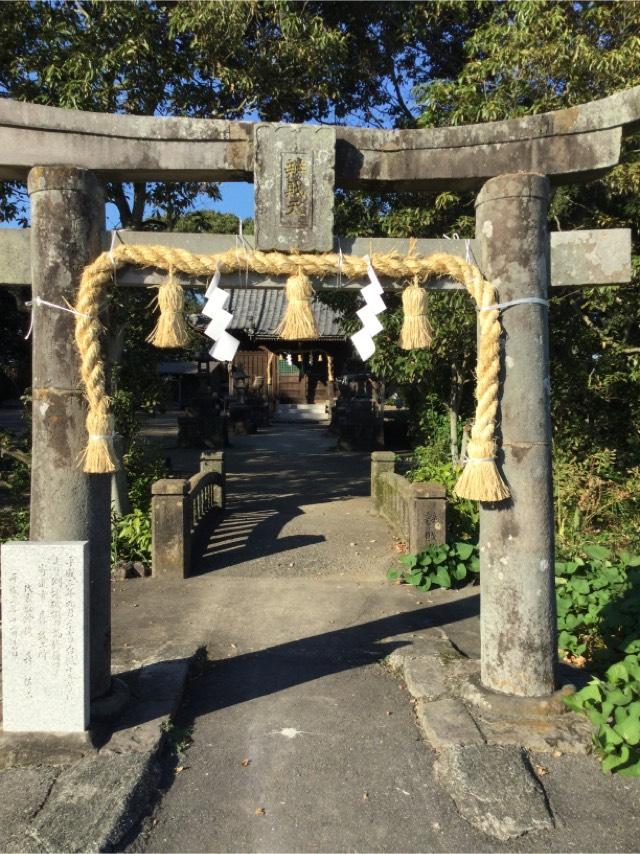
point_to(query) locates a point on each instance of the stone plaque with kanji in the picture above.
(45, 636)
(294, 169)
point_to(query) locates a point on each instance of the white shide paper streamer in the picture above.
(225, 346)
(368, 315)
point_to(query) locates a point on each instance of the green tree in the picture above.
(524, 58)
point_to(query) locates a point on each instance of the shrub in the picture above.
(612, 705)
(131, 537)
(598, 603)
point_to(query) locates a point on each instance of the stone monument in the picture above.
(45, 638)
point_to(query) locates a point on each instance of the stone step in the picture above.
(287, 412)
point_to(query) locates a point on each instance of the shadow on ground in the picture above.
(269, 482)
(231, 681)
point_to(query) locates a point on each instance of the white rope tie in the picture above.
(499, 306)
(40, 301)
(114, 235)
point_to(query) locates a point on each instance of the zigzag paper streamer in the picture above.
(368, 315)
(226, 346)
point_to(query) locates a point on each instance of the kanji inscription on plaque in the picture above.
(294, 168)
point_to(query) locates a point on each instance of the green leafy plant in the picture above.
(439, 566)
(15, 477)
(598, 602)
(612, 705)
(143, 469)
(131, 537)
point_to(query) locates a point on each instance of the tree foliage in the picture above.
(521, 59)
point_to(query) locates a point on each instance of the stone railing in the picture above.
(416, 511)
(180, 513)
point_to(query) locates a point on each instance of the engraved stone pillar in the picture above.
(67, 216)
(294, 176)
(518, 620)
(427, 516)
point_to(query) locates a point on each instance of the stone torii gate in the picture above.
(65, 154)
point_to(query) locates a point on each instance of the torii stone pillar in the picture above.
(67, 217)
(518, 620)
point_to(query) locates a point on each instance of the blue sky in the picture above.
(237, 198)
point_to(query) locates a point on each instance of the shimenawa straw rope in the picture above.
(480, 480)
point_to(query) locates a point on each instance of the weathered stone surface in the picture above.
(517, 603)
(426, 643)
(22, 793)
(426, 677)
(494, 790)
(94, 803)
(601, 257)
(569, 733)
(571, 143)
(446, 722)
(37, 749)
(171, 528)
(45, 649)
(416, 511)
(294, 180)
(67, 216)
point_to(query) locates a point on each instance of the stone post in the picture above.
(518, 619)
(381, 461)
(427, 516)
(67, 216)
(171, 528)
(214, 461)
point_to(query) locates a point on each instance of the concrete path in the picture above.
(302, 739)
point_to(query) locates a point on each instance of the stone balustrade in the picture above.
(181, 510)
(416, 511)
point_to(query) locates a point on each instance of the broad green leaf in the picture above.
(597, 552)
(464, 550)
(631, 770)
(442, 577)
(616, 759)
(459, 572)
(629, 729)
(617, 672)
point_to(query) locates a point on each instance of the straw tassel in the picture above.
(416, 331)
(480, 479)
(171, 329)
(99, 455)
(298, 322)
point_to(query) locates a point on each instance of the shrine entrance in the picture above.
(513, 164)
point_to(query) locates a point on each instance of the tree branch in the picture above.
(401, 101)
(139, 203)
(120, 201)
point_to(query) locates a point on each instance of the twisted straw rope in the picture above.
(96, 277)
